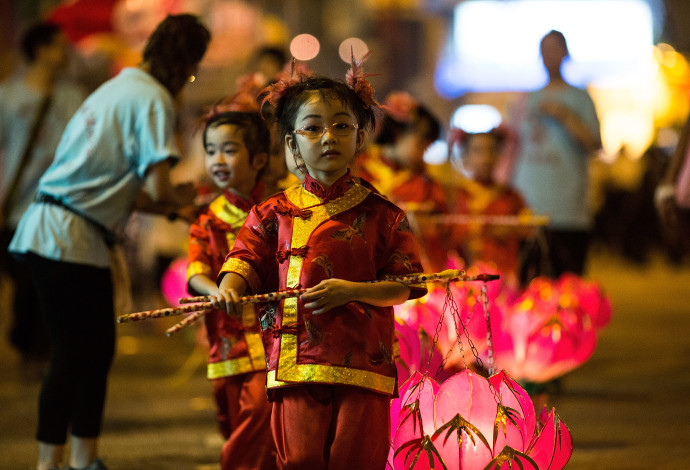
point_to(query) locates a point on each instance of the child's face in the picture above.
(326, 157)
(409, 148)
(295, 165)
(228, 162)
(480, 157)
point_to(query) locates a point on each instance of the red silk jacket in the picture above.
(306, 234)
(235, 343)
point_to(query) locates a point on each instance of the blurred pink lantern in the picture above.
(414, 345)
(174, 281)
(473, 423)
(544, 335)
(589, 296)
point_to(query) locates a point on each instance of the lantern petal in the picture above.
(516, 420)
(553, 446)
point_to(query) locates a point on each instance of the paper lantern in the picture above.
(589, 296)
(414, 347)
(544, 334)
(470, 422)
(174, 281)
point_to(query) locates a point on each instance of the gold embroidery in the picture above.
(254, 344)
(241, 267)
(321, 373)
(228, 213)
(241, 365)
(288, 369)
(230, 237)
(197, 267)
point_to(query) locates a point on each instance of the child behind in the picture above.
(395, 166)
(331, 373)
(479, 195)
(236, 147)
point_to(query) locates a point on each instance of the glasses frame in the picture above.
(353, 126)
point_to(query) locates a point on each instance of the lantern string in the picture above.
(489, 342)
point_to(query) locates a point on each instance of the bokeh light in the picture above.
(476, 118)
(304, 47)
(351, 46)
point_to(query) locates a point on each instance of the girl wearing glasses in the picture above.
(331, 373)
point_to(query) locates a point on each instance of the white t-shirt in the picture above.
(552, 169)
(100, 165)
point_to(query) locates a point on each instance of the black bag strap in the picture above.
(26, 155)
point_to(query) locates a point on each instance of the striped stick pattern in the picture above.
(449, 275)
(186, 322)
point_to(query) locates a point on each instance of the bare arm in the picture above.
(332, 293)
(203, 285)
(231, 288)
(573, 124)
(161, 197)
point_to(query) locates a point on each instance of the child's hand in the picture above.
(329, 294)
(227, 300)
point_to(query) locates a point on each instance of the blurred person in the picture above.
(395, 166)
(236, 145)
(479, 195)
(35, 107)
(559, 133)
(114, 156)
(672, 196)
(269, 61)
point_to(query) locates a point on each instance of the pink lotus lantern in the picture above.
(470, 423)
(590, 297)
(174, 281)
(415, 346)
(544, 335)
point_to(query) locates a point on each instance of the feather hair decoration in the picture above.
(292, 74)
(400, 106)
(357, 80)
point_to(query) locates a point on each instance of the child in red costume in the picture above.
(395, 166)
(481, 197)
(236, 145)
(330, 364)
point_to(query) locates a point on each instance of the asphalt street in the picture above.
(627, 407)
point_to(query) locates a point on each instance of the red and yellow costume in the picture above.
(307, 234)
(414, 192)
(237, 364)
(484, 241)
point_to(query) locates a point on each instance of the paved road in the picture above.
(627, 408)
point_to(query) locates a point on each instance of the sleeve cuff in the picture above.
(241, 268)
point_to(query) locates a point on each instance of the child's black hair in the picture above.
(255, 133)
(38, 35)
(392, 129)
(498, 136)
(291, 101)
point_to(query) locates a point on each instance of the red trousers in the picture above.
(330, 427)
(244, 415)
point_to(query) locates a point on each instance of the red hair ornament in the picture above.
(357, 80)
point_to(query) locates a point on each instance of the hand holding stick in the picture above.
(203, 302)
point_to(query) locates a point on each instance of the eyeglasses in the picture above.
(340, 129)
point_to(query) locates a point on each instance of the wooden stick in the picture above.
(205, 304)
(186, 322)
(503, 220)
(449, 275)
